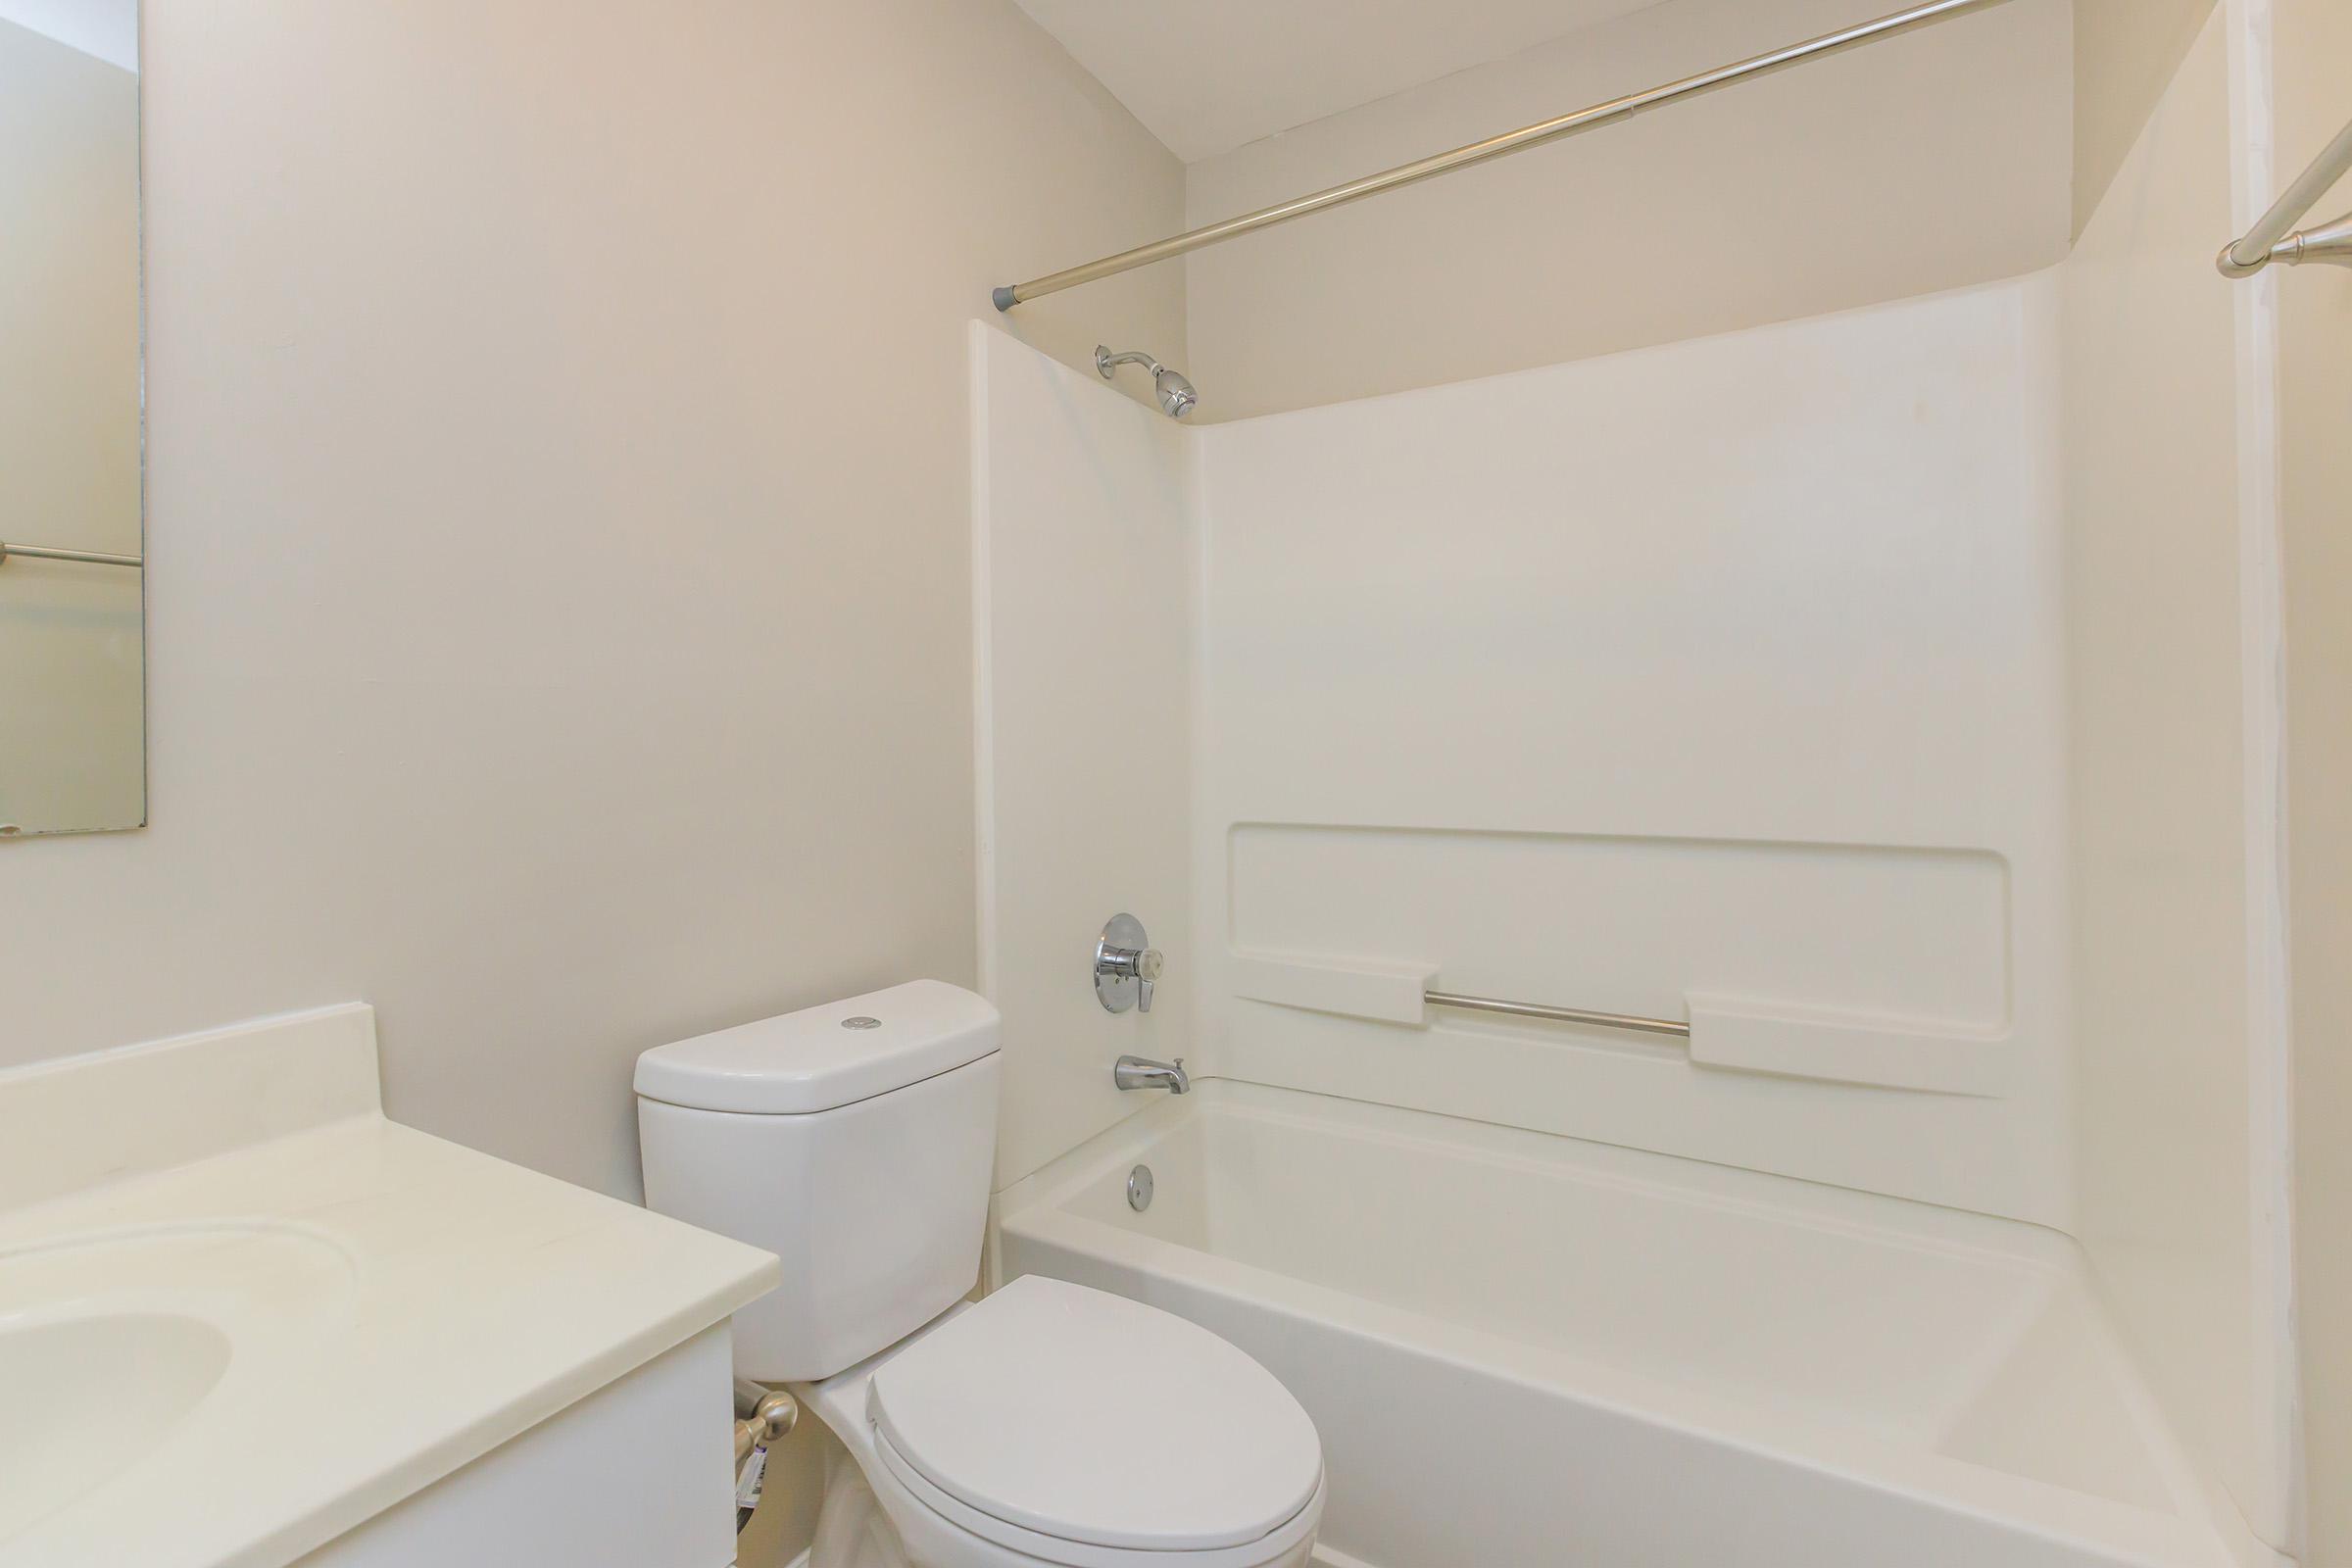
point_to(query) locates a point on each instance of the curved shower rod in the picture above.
(1501, 146)
(93, 557)
(2271, 239)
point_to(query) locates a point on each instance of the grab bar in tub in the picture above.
(1539, 1010)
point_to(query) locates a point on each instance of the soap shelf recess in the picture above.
(1732, 1034)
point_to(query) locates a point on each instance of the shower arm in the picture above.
(1108, 363)
(1501, 146)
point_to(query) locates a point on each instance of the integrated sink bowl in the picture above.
(87, 1396)
(114, 1342)
(242, 1315)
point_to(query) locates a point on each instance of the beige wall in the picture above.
(1926, 162)
(2315, 60)
(560, 588)
(69, 656)
(2126, 54)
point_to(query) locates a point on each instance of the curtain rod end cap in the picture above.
(1005, 299)
(2232, 267)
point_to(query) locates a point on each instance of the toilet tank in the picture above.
(854, 1140)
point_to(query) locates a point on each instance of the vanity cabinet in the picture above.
(640, 1474)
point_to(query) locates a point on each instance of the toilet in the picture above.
(1046, 1423)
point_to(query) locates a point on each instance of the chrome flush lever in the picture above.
(1126, 965)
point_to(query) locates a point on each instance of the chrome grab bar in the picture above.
(1539, 1010)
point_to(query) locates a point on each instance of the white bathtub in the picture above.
(1528, 1350)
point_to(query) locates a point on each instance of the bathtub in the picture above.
(1524, 1350)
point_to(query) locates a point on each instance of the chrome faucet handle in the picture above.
(1126, 965)
(1148, 965)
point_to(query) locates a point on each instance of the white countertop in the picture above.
(396, 1305)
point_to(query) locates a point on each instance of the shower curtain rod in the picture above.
(2270, 239)
(1501, 146)
(93, 557)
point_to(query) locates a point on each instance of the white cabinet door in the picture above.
(640, 1474)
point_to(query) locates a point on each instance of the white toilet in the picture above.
(1048, 1423)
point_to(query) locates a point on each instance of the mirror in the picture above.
(72, 658)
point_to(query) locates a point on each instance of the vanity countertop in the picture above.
(247, 1312)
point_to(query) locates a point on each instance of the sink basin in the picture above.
(85, 1396)
(115, 1342)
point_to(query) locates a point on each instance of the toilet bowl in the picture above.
(1055, 1424)
(1045, 1424)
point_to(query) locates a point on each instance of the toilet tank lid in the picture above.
(823, 1056)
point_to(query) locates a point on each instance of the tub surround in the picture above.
(1082, 551)
(339, 1311)
(1745, 707)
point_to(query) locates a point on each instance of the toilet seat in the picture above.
(965, 1538)
(1081, 1428)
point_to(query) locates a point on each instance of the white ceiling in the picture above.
(1206, 75)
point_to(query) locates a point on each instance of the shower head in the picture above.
(1176, 395)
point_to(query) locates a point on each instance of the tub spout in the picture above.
(1141, 1072)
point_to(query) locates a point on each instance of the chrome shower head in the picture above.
(1176, 395)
